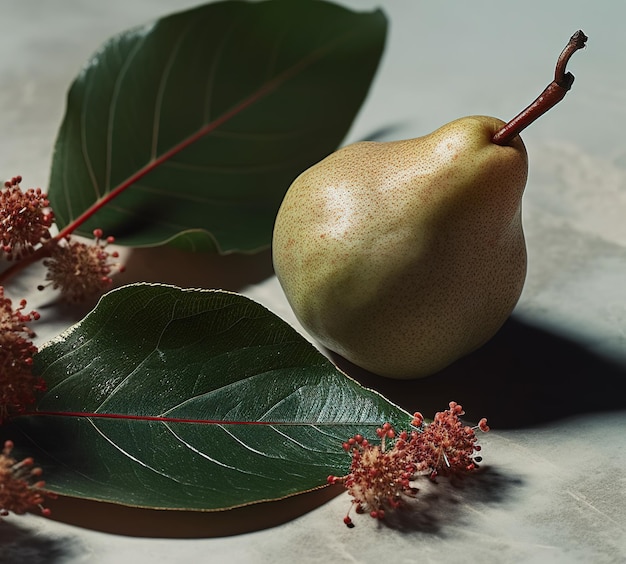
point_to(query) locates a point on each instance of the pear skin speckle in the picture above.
(404, 256)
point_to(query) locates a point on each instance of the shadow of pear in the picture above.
(524, 376)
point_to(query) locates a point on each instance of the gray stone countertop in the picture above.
(551, 381)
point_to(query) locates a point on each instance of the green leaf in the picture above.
(208, 115)
(191, 399)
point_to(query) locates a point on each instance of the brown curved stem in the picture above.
(550, 97)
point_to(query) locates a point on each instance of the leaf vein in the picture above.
(133, 458)
(143, 34)
(156, 120)
(207, 457)
(211, 75)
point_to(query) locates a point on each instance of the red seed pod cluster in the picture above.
(21, 488)
(381, 476)
(25, 219)
(17, 383)
(81, 270)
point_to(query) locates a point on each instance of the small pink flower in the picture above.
(20, 487)
(17, 383)
(81, 270)
(381, 476)
(25, 219)
(446, 445)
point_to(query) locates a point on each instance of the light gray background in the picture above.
(551, 381)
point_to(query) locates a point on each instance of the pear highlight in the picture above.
(404, 256)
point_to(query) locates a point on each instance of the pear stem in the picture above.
(550, 97)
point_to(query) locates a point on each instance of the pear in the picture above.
(404, 256)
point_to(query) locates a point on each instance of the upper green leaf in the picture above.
(209, 115)
(194, 399)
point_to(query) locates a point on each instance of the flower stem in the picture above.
(550, 97)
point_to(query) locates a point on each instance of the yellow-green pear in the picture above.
(404, 256)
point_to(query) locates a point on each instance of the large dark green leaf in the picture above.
(196, 399)
(209, 115)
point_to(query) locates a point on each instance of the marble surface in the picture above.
(554, 485)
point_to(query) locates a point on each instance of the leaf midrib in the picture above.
(183, 420)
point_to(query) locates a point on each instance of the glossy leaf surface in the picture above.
(191, 399)
(208, 115)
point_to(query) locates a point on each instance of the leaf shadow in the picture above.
(130, 521)
(168, 265)
(524, 376)
(19, 544)
(446, 500)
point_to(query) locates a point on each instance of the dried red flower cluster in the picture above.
(381, 475)
(25, 219)
(20, 486)
(79, 270)
(17, 383)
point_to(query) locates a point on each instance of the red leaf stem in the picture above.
(157, 418)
